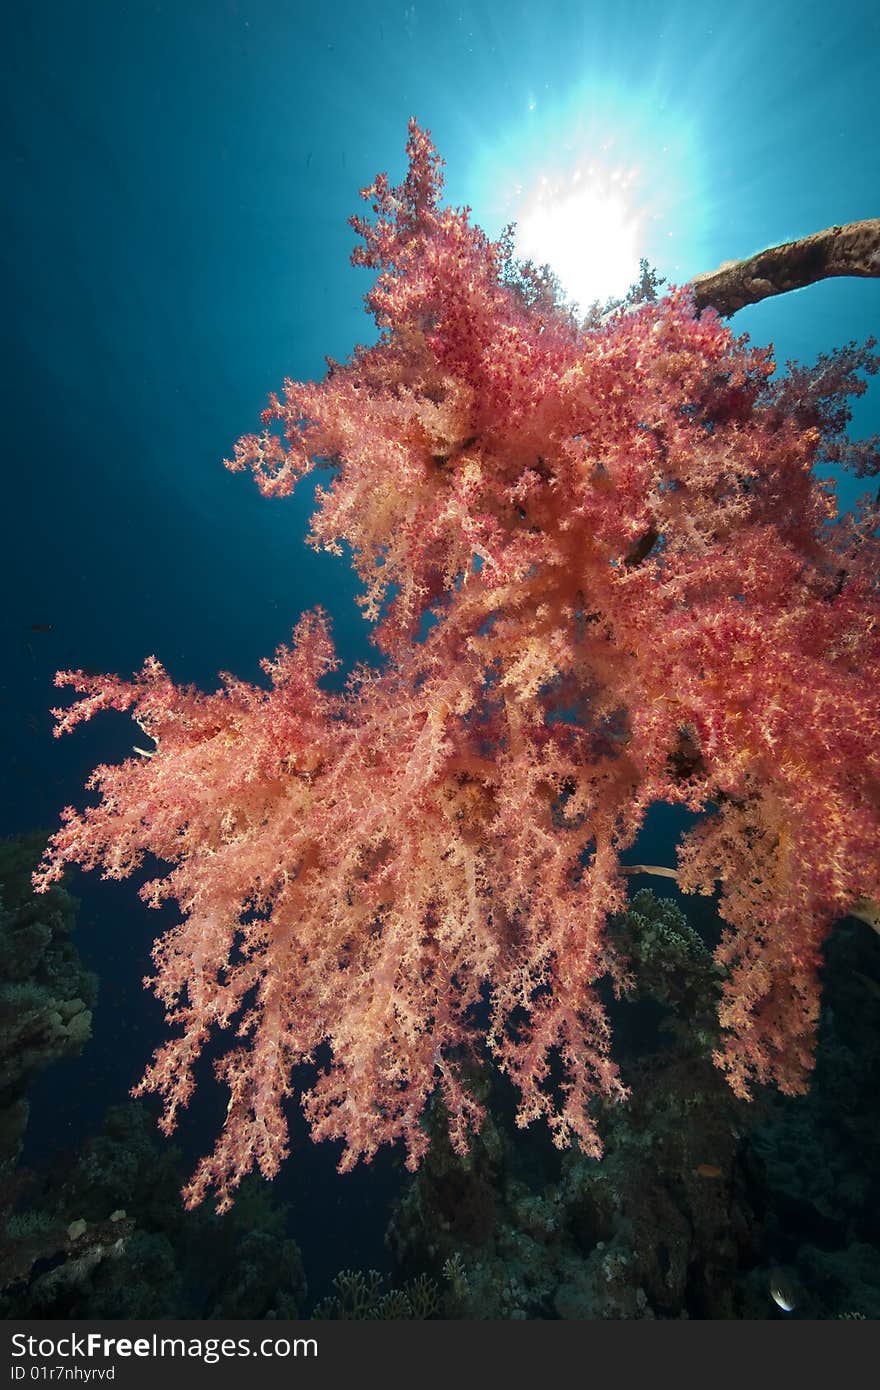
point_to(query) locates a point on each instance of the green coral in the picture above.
(671, 965)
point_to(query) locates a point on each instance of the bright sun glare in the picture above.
(587, 226)
(594, 184)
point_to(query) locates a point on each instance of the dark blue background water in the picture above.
(176, 183)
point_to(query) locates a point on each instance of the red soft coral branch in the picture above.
(638, 592)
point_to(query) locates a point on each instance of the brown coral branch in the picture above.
(853, 249)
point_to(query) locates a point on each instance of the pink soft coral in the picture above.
(639, 594)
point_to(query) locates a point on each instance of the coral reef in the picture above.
(124, 1248)
(46, 996)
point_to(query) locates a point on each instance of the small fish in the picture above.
(708, 1170)
(781, 1291)
(42, 627)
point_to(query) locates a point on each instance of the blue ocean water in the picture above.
(176, 185)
